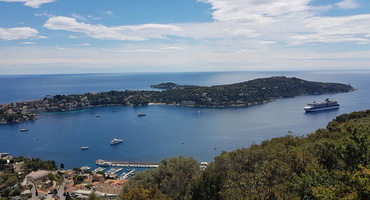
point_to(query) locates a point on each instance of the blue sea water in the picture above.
(166, 131)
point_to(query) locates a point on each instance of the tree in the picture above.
(51, 177)
(92, 196)
(68, 197)
(138, 193)
(61, 166)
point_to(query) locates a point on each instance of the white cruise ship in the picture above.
(318, 106)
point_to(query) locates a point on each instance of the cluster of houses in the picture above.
(38, 184)
(103, 188)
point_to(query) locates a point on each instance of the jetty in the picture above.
(98, 170)
(126, 175)
(102, 162)
(113, 171)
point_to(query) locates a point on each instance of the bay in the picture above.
(166, 131)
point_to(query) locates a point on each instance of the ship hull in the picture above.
(321, 109)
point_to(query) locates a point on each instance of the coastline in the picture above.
(254, 92)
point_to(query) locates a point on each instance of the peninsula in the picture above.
(242, 94)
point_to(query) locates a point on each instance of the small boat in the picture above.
(141, 114)
(115, 141)
(85, 168)
(84, 148)
(24, 130)
(97, 115)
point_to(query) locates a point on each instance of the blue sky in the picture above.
(93, 36)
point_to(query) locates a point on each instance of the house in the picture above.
(6, 156)
(38, 176)
(98, 177)
(88, 180)
(53, 190)
(111, 186)
(41, 193)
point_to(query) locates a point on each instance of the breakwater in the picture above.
(106, 163)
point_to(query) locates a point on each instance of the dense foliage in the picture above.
(332, 163)
(171, 180)
(10, 181)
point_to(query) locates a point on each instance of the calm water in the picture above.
(166, 131)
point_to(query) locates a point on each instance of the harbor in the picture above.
(105, 163)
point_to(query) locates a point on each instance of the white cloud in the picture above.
(43, 14)
(347, 4)
(190, 57)
(80, 17)
(28, 43)
(257, 11)
(245, 34)
(17, 33)
(134, 33)
(336, 29)
(31, 3)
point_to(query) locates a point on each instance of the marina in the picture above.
(101, 162)
(123, 176)
(99, 169)
(113, 171)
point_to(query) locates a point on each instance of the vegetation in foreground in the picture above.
(332, 163)
(11, 177)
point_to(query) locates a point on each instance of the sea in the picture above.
(165, 131)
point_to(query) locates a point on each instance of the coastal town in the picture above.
(31, 178)
(57, 184)
(78, 183)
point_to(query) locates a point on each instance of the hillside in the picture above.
(247, 93)
(332, 163)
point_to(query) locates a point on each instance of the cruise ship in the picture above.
(318, 106)
(115, 141)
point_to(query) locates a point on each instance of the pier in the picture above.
(105, 163)
(126, 175)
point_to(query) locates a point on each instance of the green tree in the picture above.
(92, 196)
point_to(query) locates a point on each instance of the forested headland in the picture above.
(242, 94)
(331, 163)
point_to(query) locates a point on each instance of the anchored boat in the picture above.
(324, 105)
(115, 141)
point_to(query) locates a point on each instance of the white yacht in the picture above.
(115, 141)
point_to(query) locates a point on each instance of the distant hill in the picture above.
(247, 93)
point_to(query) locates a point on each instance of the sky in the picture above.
(114, 36)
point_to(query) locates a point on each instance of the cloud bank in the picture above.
(17, 33)
(31, 3)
